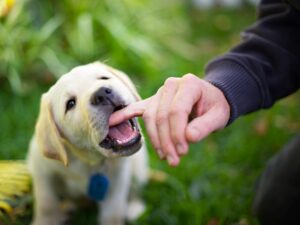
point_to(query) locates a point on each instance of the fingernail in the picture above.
(181, 149)
(160, 154)
(171, 160)
(193, 134)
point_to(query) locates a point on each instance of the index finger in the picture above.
(130, 111)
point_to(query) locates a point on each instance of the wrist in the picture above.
(237, 84)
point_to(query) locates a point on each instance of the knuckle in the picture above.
(167, 146)
(178, 134)
(159, 91)
(161, 118)
(155, 144)
(173, 112)
(170, 81)
(189, 77)
(147, 116)
(177, 137)
(177, 112)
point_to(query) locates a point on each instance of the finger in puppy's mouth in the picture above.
(123, 138)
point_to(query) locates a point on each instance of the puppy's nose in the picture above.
(102, 97)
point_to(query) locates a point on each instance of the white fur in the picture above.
(64, 151)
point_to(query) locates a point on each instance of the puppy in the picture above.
(75, 153)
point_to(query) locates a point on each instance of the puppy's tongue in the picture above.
(122, 133)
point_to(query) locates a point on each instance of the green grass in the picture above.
(215, 181)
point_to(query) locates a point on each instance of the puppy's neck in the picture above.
(91, 158)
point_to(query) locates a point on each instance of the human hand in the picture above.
(183, 110)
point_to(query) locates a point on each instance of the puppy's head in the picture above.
(75, 111)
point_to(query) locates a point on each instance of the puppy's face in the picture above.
(81, 103)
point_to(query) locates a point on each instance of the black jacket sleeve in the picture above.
(265, 66)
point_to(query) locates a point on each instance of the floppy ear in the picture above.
(47, 134)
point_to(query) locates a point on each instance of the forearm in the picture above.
(264, 67)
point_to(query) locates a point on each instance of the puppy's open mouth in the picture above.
(123, 138)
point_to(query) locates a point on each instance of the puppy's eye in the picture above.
(70, 104)
(103, 78)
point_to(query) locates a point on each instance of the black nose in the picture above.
(102, 97)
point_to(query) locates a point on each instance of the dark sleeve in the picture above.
(265, 66)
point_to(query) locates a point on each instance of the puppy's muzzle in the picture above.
(125, 138)
(104, 96)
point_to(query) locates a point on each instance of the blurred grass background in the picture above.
(150, 40)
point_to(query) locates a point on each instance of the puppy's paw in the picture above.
(135, 209)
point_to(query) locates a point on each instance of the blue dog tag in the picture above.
(98, 187)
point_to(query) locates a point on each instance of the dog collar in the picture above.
(98, 187)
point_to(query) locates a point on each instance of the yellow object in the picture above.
(14, 184)
(6, 6)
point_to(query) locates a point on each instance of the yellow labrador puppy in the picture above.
(74, 152)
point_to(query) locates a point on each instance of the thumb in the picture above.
(130, 111)
(202, 126)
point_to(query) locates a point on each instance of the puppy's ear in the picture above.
(47, 134)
